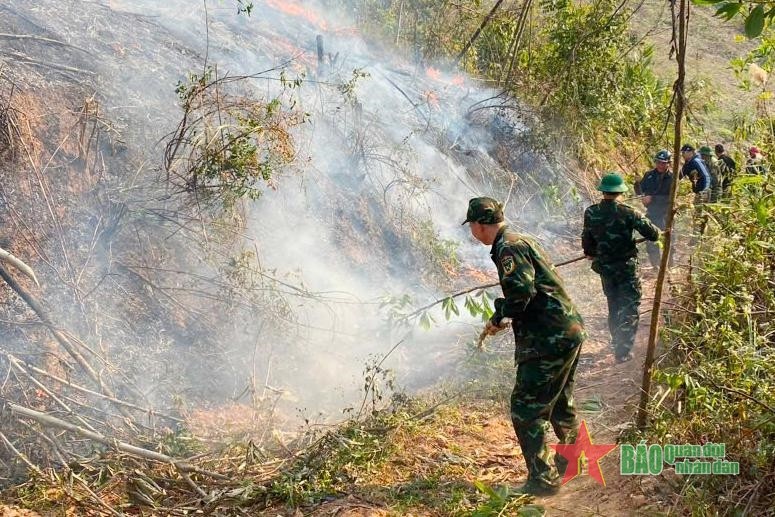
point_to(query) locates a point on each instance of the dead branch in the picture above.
(43, 39)
(26, 59)
(48, 392)
(478, 31)
(50, 421)
(60, 337)
(18, 264)
(19, 455)
(69, 384)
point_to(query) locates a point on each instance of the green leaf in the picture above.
(531, 510)
(591, 405)
(706, 2)
(754, 24)
(425, 321)
(485, 489)
(728, 10)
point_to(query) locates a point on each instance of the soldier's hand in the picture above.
(491, 328)
(646, 200)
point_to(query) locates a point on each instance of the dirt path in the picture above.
(615, 388)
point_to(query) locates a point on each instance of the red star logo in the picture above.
(583, 447)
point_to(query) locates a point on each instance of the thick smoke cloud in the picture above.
(383, 167)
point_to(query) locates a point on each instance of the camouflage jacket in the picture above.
(729, 170)
(545, 321)
(607, 234)
(718, 174)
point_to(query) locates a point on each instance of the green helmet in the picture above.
(663, 156)
(612, 182)
(705, 151)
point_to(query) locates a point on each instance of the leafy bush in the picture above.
(228, 144)
(717, 377)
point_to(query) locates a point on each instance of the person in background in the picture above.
(716, 173)
(548, 332)
(655, 189)
(755, 162)
(697, 172)
(730, 169)
(694, 169)
(607, 240)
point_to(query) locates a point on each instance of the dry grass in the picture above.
(712, 44)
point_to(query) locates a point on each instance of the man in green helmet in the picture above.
(548, 331)
(608, 241)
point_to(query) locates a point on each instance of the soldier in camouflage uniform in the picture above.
(717, 169)
(608, 241)
(729, 169)
(548, 332)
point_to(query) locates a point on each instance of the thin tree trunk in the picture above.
(400, 16)
(475, 36)
(678, 89)
(516, 43)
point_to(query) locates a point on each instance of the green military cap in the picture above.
(705, 150)
(612, 182)
(484, 210)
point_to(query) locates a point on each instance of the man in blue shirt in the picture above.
(697, 172)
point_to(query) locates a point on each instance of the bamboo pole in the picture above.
(491, 284)
(678, 89)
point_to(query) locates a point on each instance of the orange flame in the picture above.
(294, 9)
(436, 74)
(433, 73)
(291, 50)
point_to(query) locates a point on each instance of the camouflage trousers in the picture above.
(543, 396)
(621, 285)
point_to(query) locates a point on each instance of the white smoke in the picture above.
(402, 149)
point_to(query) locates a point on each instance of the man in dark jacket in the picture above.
(608, 241)
(730, 169)
(699, 174)
(548, 331)
(655, 189)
